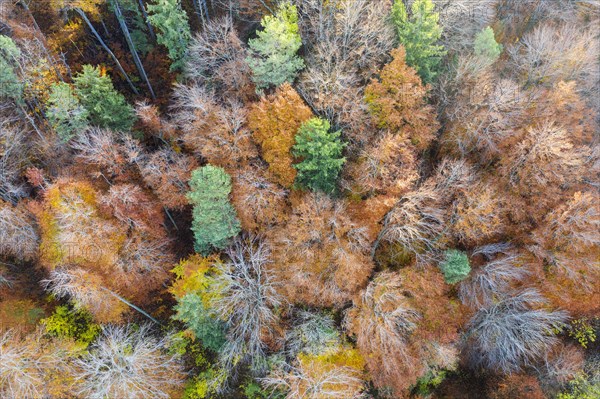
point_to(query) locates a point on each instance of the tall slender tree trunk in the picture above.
(32, 122)
(95, 32)
(201, 10)
(131, 305)
(131, 44)
(42, 40)
(148, 24)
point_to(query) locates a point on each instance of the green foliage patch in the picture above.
(214, 219)
(455, 267)
(107, 107)
(419, 33)
(273, 57)
(321, 157)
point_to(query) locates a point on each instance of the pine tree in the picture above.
(131, 42)
(107, 108)
(171, 21)
(321, 153)
(215, 220)
(455, 267)
(486, 45)
(10, 86)
(65, 113)
(419, 34)
(274, 60)
(192, 311)
(274, 122)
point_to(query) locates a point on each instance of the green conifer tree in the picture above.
(321, 157)
(486, 45)
(273, 57)
(10, 85)
(419, 34)
(455, 267)
(107, 107)
(192, 311)
(214, 218)
(64, 111)
(173, 28)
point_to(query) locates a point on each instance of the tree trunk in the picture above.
(31, 122)
(148, 24)
(134, 53)
(201, 10)
(131, 305)
(37, 28)
(89, 24)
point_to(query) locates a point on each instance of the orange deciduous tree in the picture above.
(543, 161)
(397, 100)
(387, 167)
(150, 117)
(91, 256)
(321, 252)
(274, 122)
(86, 290)
(260, 204)
(211, 129)
(517, 386)
(131, 205)
(568, 247)
(479, 215)
(167, 173)
(405, 327)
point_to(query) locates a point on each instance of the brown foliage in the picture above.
(87, 290)
(561, 365)
(429, 295)
(417, 225)
(73, 230)
(517, 386)
(88, 254)
(217, 57)
(405, 326)
(397, 101)
(167, 173)
(543, 161)
(250, 10)
(479, 215)
(321, 253)
(274, 122)
(489, 116)
(143, 262)
(260, 204)
(22, 315)
(388, 167)
(382, 320)
(568, 245)
(215, 131)
(150, 117)
(132, 206)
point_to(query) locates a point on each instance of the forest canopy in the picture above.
(299, 199)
